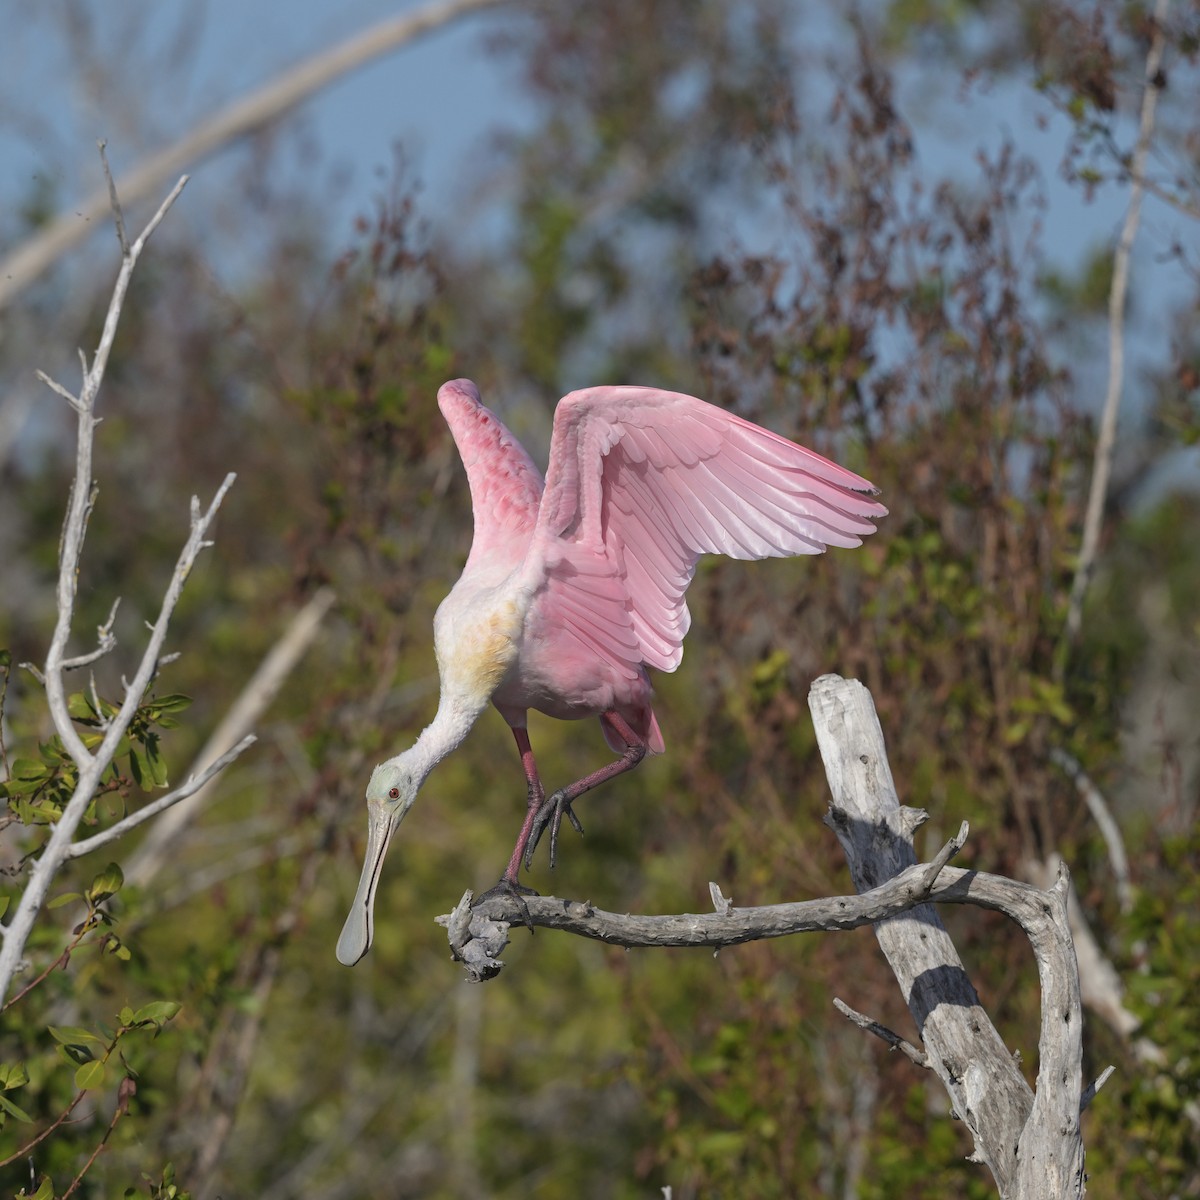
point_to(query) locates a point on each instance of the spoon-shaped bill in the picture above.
(359, 928)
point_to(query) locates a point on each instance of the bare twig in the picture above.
(1100, 986)
(1093, 797)
(57, 387)
(1187, 207)
(721, 902)
(1125, 174)
(898, 895)
(943, 856)
(60, 962)
(92, 765)
(114, 201)
(249, 707)
(1093, 1088)
(1118, 291)
(75, 525)
(884, 1033)
(192, 787)
(241, 118)
(124, 1094)
(61, 1119)
(107, 640)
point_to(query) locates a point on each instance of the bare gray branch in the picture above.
(258, 693)
(92, 764)
(244, 116)
(189, 788)
(1029, 1139)
(883, 1033)
(1118, 291)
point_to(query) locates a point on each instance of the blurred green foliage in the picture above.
(896, 323)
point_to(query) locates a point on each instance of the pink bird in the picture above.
(574, 586)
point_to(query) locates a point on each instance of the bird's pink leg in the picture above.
(537, 797)
(552, 811)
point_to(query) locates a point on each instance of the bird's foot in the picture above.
(551, 813)
(512, 890)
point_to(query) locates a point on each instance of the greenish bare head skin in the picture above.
(390, 794)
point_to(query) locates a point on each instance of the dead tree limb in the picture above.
(1030, 1139)
(1117, 294)
(242, 117)
(92, 761)
(243, 715)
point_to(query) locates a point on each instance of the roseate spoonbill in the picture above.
(574, 586)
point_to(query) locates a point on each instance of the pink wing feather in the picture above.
(641, 482)
(506, 488)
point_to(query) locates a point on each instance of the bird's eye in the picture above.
(394, 794)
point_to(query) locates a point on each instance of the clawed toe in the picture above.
(510, 889)
(551, 813)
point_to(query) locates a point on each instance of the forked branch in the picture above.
(91, 764)
(1029, 1138)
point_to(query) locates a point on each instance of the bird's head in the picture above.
(390, 794)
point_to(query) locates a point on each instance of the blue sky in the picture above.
(441, 96)
(445, 98)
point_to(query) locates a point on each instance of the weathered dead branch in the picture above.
(1029, 1138)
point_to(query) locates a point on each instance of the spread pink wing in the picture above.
(641, 482)
(506, 488)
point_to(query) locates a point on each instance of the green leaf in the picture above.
(46, 809)
(5, 659)
(125, 1016)
(155, 1013)
(45, 1191)
(107, 883)
(172, 703)
(158, 768)
(13, 1076)
(73, 1035)
(4, 902)
(80, 707)
(90, 1075)
(21, 787)
(65, 898)
(30, 768)
(14, 1110)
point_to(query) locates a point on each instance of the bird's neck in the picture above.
(444, 733)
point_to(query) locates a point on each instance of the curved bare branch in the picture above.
(38, 253)
(1118, 291)
(1029, 1139)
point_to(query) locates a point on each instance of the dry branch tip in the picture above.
(113, 200)
(894, 1040)
(721, 903)
(944, 855)
(1090, 1094)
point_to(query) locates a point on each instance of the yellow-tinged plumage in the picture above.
(484, 657)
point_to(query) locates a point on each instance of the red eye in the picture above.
(394, 793)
